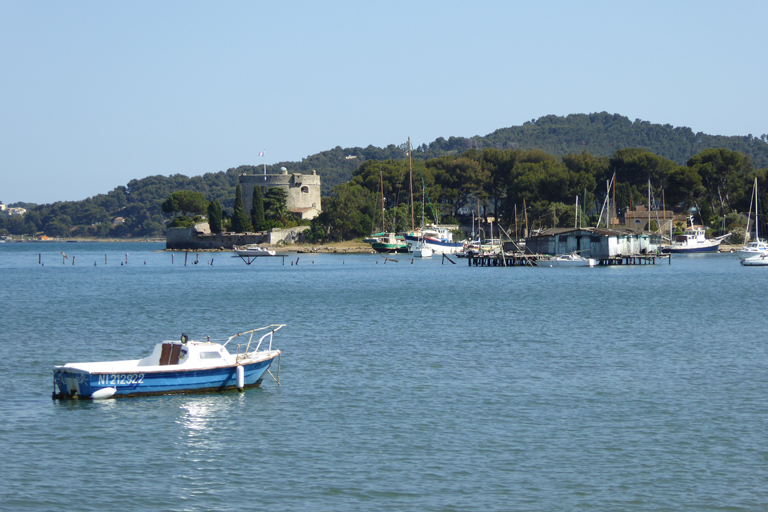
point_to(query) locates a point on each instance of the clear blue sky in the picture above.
(94, 94)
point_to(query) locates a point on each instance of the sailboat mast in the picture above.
(381, 177)
(525, 214)
(576, 211)
(614, 198)
(410, 166)
(517, 234)
(649, 204)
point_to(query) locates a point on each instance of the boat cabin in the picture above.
(175, 352)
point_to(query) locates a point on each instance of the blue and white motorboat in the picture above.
(174, 367)
(694, 240)
(440, 240)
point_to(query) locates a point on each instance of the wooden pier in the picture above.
(535, 260)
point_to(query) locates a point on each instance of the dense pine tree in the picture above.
(240, 222)
(214, 216)
(257, 209)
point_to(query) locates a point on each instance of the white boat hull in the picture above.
(755, 261)
(569, 261)
(422, 252)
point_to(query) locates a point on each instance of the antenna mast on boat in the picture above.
(410, 166)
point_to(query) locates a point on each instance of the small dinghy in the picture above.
(184, 366)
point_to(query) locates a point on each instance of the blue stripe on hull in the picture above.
(137, 383)
(713, 248)
(435, 242)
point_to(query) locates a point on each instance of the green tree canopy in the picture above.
(723, 173)
(274, 205)
(185, 201)
(346, 214)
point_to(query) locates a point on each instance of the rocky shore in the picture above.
(331, 248)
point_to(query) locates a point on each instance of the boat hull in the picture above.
(77, 383)
(554, 262)
(437, 246)
(389, 248)
(755, 261)
(690, 250)
(422, 252)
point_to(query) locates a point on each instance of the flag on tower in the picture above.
(261, 153)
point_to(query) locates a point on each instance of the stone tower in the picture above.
(302, 190)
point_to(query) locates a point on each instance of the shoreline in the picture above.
(352, 247)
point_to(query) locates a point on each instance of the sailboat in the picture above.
(756, 248)
(385, 242)
(420, 249)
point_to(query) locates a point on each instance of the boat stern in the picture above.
(71, 383)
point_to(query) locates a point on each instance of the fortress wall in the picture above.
(190, 239)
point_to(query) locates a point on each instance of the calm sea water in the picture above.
(405, 386)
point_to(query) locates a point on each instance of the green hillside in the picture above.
(600, 135)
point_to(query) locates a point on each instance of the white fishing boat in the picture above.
(173, 367)
(440, 240)
(756, 247)
(568, 260)
(694, 240)
(437, 238)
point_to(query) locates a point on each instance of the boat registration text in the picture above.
(117, 379)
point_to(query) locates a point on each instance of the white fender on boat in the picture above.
(240, 378)
(103, 393)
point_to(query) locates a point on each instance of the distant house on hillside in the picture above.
(640, 218)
